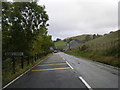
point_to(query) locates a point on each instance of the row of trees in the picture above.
(24, 28)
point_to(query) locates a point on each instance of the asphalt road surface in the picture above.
(53, 72)
(61, 70)
(97, 75)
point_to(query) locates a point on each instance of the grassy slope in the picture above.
(103, 49)
(79, 37)
(60, 44)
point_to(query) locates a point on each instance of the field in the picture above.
(104, 49)
(60, 44)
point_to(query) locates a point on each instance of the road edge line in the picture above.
(69, 65)
(22, 74)
(86, 84)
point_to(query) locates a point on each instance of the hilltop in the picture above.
(83, 38)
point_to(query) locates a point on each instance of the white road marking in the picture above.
(87, 85)
(12, 81)
(69, 65)
(63, 58)
(20, 76)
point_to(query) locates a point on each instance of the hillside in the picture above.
(103, 49)
(60, 44)
(83, 38)
(80, 37)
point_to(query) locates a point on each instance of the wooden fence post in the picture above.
(22, 62)
(39, 55)
(32, 59)
(28, 60)
(35, 57)
(13, 60)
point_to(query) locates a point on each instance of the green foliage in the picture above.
(24, 28)
(83, 48)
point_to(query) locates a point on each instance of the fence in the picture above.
(19, 62)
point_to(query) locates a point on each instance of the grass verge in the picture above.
(96, 56)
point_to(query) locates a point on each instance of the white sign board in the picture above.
(14, 53)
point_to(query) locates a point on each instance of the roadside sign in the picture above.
(14, 53)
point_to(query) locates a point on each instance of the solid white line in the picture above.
(87, 85)
(69, 65)
(20, 76)
(62, 57)
(12, 81)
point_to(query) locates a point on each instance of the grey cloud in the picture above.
(75, 17)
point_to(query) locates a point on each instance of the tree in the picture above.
(58, 39)
(24, 28)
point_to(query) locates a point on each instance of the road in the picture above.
(53, 72)
(96, 74)
(61, 70)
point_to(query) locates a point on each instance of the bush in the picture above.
(83, 48)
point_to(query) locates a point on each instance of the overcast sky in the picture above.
(75, 17)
